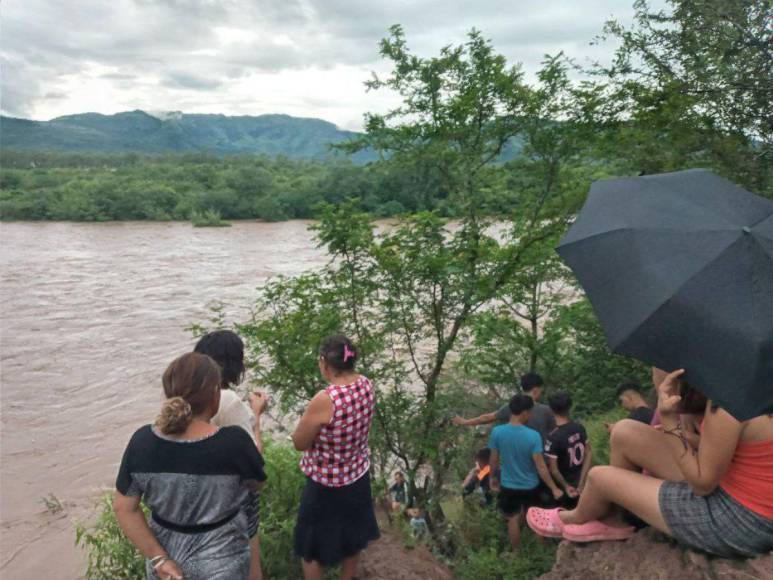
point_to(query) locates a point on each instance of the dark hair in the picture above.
(530, 381)
(339, 352)
(484, 455)
(693, 401)
(520, 403)
(227, 350)
(560, 403)
(627, 386)
(189, 382)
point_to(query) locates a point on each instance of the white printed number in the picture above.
(576, 454)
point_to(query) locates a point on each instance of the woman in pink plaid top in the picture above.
(336, 518)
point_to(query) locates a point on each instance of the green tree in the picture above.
(693, 85)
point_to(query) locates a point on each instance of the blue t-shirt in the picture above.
(516, 446)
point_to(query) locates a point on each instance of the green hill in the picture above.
(142, 132)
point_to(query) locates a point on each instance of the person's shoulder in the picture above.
(235, 434)
(143, 435)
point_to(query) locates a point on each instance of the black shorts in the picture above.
(512, 502)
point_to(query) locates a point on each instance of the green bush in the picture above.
(531, 560)
(208, 219)
(110, 555)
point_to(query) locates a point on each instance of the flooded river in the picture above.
(91, 314)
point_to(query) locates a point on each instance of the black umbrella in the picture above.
(679, 269)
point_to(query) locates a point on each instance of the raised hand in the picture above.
(668, 394)
(258, 402)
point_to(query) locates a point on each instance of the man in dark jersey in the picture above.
(567, 450)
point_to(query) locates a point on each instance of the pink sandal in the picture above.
(596, 531)
(545, 523)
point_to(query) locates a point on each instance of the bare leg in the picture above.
(255, 571)
(349, 567)
(636, 446)
(514, 530)
(608, 485)
(312, 570)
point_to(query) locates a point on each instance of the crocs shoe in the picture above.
(545, 523)
(596, 531)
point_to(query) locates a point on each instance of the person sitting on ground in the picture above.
(716, 499)
(336, 519)
(418, 522)
(399, 492)
(541, 419)
(227, 350)
(479, 477)
(517, 449)
(567, 450)
(194, 477)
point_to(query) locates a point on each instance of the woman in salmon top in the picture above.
(336, 518)
(716, 497)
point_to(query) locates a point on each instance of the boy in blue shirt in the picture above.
(517, 450)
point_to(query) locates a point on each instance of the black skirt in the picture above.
(335, 522)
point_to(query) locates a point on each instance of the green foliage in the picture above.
(531, 561)
(278, 510)
(690, 85)
(109, 554)
(208, 219)
(578, 359)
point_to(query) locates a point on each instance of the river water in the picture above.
(91, 314)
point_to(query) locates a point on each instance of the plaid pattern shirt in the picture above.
(340, 453)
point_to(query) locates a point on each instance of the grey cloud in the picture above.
(169, 39)
(190, 81)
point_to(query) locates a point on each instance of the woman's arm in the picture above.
(132, 521)
(258, 404)
(318, 414)
(702, 469)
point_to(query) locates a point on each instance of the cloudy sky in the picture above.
(249, 57)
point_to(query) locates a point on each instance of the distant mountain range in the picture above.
(176, 132)
(150, 132)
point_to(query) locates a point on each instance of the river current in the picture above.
(90, 316)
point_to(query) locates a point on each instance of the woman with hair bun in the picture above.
(194, 477)
(336, 518)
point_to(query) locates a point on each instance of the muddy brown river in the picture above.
(91, 314)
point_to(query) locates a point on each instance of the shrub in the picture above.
(109, 554)
(208, 219)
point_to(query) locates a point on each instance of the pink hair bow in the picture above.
(348, 353)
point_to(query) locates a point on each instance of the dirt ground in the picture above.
(389, 559)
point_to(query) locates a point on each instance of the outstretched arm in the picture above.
(484, 419)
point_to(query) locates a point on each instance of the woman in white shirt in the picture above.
(227, 350)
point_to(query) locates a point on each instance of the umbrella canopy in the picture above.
(679, 270)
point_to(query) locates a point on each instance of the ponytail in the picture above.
(190, 383)
(176, 415)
